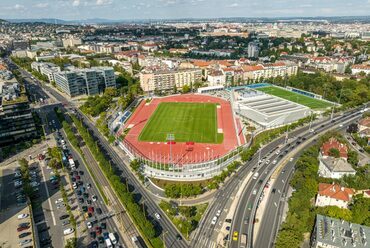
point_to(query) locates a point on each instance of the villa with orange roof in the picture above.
(333, 195)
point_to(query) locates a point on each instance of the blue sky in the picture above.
(153, 9)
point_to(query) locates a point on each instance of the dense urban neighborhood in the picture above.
(195, 132)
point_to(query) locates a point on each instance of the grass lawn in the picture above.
(295, 97)
(195, 122)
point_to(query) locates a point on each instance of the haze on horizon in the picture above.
(172, 9)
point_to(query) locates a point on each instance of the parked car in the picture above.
(22, 216)
(98, 211)
(65, 216)
(65, 222)
(68, 231)
(23, 235)
(94, 198)
(20, 229)
(24, 242)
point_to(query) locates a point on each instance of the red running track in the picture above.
(160, 151)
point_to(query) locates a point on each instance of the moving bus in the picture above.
(243, 240)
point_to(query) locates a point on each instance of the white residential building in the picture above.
(335, 168)
(333, 195)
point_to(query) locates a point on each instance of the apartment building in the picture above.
(47, 69)
(336, 233)
(91, 81)
(253, 50)
(16, 121)
(365, 68)
(256, 72)
(166, 79)
(71, 42)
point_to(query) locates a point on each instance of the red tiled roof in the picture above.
(365, 67)
(252, 67)
(365, 122)
(201, 63)
(334, 143)
(335, 191)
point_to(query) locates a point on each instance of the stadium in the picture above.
(195, 136)
(185, 137)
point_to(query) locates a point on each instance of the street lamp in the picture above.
(171, 140)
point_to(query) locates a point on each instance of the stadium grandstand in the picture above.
(266, 110)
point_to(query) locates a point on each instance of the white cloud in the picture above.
(76, 3)
(18, 7)
(42, 5)
(305, 5)
(233, 5)
(103, 2)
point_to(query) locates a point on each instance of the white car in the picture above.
(74, 185)
(267, 161)
(254, 192)
(22, 216)
(68, 231)
(59, 201)
(157, 216)
(214, 220)
(291, 159)
(94, 198)
(274, 162)
(89, 225)
(218, 213)
(61, 205)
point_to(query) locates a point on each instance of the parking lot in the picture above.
(14, 212)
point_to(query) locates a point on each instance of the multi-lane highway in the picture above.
(206, 234)
(252, 193)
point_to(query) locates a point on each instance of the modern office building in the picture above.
(16, 120)
(167, 79)
(335, 233)
(91, 81)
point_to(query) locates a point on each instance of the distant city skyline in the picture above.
(172, 9)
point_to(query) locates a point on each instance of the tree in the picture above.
(352, 158)
(185, 89)
(333, 152)
(174, 89)
(352, 128)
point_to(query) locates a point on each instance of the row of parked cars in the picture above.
(24, 228)
(87, 200)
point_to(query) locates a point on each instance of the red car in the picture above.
(77, 177)
(20, 229)
(91, 210)
(98, 230)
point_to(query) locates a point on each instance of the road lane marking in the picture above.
(48, 196)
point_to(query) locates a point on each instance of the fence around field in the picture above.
(190, 171)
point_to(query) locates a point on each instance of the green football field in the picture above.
(195, 122)
(295, 97)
